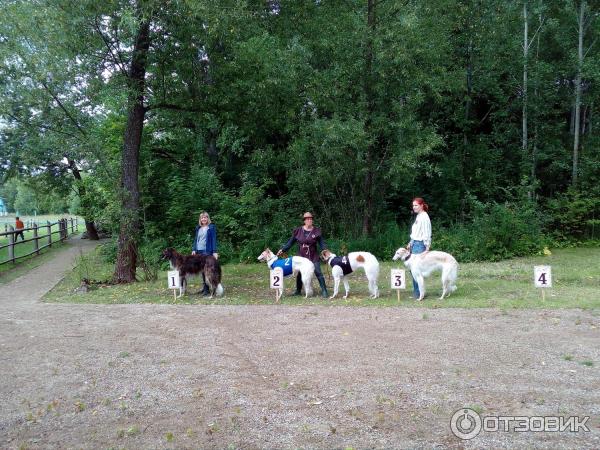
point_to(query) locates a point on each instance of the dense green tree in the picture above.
(259, 110)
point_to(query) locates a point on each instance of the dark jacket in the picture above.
(343, 262)
(307, 243)
(211, 239)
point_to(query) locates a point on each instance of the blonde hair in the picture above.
(203, 214)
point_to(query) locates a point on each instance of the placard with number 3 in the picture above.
(398, 279)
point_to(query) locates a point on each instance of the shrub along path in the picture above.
(256, 376)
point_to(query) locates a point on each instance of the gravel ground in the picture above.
(192, 376)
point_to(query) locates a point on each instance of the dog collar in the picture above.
(407, 258)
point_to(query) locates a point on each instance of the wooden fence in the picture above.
(63, 228)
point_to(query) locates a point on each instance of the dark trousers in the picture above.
(204, 284)
(17, 234)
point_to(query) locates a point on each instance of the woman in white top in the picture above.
(420, 235)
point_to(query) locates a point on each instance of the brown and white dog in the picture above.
(343, 266)
(423, 264)
(195, 265)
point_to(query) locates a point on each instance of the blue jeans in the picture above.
(417, 247)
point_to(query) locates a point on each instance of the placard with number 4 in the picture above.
(542, 276)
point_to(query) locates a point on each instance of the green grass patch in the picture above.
(505, 284)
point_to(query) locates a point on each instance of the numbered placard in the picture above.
(173, 279)
(542, 276)
(277, 278)
(398, 279)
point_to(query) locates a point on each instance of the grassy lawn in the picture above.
(505, 284)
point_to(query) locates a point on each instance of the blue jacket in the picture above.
(211, 239)
(285, 264)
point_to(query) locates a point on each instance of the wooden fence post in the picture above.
(11, 244)
(72, 230)
(49, 227)
(36, 244)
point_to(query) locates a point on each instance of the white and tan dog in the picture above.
(343, 266)
(423, 264)
(291, 266)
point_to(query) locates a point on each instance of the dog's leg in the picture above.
(445, 283)
(372, 274)
(336, 287)
(346, 286)
(182, 286)
(307, 275)
(373, 289)
(421, 283)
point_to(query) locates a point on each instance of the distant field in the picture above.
(504, 284)
(23, 248)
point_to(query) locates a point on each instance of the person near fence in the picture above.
(19, 226)
(205, 242)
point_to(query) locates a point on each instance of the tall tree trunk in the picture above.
(578, 87)
(533, 173)
(367, 223)
(89, 224)
(130, 195)
(466, 127)
(525, 57)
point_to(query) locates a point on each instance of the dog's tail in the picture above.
(220, 291)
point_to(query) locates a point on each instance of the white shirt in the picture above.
(421, 229)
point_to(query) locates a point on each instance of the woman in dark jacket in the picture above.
(308, 236)
(205, 241)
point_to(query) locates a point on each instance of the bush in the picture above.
(496, 232)
(574, 217)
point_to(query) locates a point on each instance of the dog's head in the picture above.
(168, 254)
(326, 255)
(266, 255)
(401, 253)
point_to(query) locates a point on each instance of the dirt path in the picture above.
(164, 376)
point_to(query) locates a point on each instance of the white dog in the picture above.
(342, 266)
(291, 266)
(423, 264)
